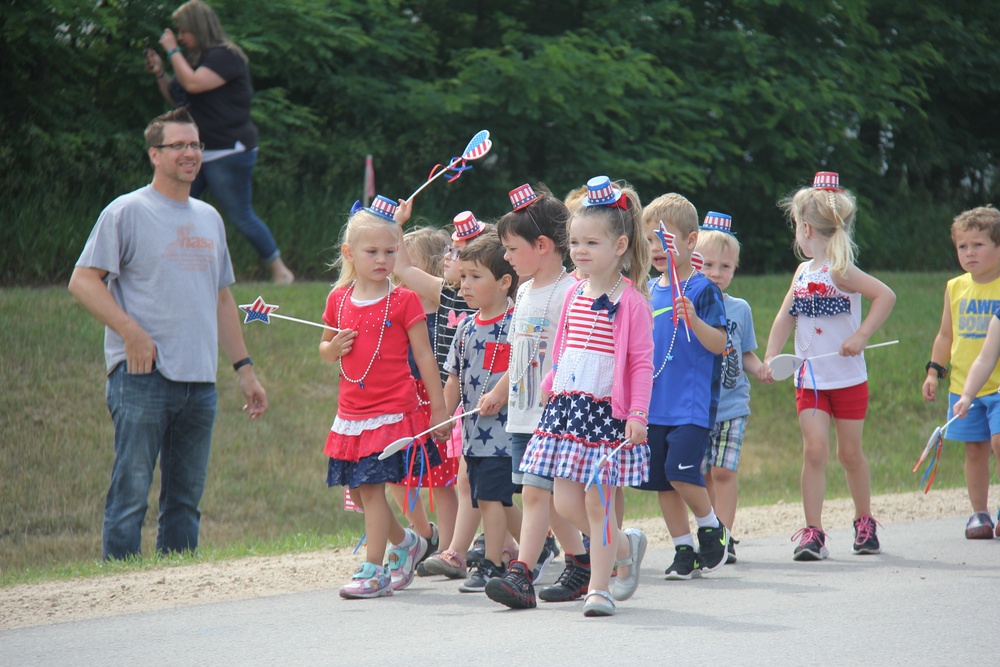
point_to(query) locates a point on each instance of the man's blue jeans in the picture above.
(155, 417)
(230, 180)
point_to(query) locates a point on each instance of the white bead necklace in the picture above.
(536, 340)
(385, 324)
(464, 363)
(673, 338)
(593, 325)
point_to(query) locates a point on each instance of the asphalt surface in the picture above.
(931, 598)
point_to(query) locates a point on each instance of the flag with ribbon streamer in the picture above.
(478, 146)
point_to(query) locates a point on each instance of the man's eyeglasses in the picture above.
(183, 146)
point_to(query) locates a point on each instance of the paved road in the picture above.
(931, 599)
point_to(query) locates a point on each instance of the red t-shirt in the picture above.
(388, 386)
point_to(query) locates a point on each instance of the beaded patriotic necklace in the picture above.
(812, 303)
(673, 338)
(536, 340)
(385, 324)
(465, 363)
(593, 324)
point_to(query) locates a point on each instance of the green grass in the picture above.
(266, 489)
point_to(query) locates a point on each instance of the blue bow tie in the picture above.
(604, 303)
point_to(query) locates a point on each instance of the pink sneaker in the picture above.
(403, 560)
(368, 581)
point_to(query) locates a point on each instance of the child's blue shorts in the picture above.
(982, 421)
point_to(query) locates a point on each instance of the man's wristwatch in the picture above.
(941, 371)
(246, 361)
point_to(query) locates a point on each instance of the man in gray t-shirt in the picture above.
(156, 272)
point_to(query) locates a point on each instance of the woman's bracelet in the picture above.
(172, 51)
(161, 75)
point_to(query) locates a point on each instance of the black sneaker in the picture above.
(477, 552)
(552, 545)
(514, 588)
(713, 544)
(544, 559)
(731, 554)
(812, 545)
(432, 545)
(685, 564)
(476, 583)
(865, 538)
(570, 585)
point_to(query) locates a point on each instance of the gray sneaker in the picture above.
(476, 583)
(477, 552)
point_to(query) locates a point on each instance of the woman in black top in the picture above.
(213, 81)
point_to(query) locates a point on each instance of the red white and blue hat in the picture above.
(827, 180)
(600, 192)
(383, 207)
(466, 227)
(718, 222)
(521, 196)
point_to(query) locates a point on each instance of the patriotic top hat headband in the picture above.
(600, 192)
(381, 206)
(827, 180)
(521, 196)
(718, 222)
(466, 226)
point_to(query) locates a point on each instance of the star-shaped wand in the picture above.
(260, 311)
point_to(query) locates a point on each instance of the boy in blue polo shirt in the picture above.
(687, 363)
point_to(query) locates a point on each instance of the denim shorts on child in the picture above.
(490, 479)
(847, 403)
(982, 421)
(676, 454)
(725, 444)
(518, 445)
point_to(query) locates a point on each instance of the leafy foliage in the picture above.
(732, 103)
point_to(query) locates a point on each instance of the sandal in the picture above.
(447, 563)
(625, 585)
(599, 603)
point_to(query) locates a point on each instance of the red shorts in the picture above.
(846, 403)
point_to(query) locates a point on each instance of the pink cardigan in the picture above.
(632, 386)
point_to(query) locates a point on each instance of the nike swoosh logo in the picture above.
(681, 467)
(657, 313)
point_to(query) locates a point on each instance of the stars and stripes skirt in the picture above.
(577, 429)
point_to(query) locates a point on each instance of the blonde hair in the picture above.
(831, 214)
(574, 198)
(201, 21)
(674, 209)
(358, 223)
(981, 218)
(426, 245)
(713, 239)
(628, 223)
